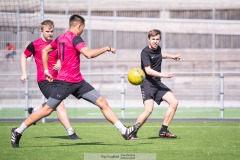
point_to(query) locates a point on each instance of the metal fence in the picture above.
(200, 95)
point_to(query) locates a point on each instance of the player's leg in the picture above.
(173, 103)
(17, 132)
(63, 118)
(47, 88)
(87, 92)
(148, 108)
(112, 118)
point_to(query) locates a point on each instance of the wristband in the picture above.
(46, 71)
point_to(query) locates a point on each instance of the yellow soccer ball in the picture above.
(136, 76)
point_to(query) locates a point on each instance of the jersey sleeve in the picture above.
(145, 59)
(78, 43)
(30, 50)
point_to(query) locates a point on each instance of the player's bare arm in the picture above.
(24, 68)
(154, 73)
(175, 57)
(45, 53)
(92, 53)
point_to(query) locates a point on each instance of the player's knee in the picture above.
(148, 111)
(174, 104)
(102, 103)
(47, 110)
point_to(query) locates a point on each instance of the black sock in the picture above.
(164, 128)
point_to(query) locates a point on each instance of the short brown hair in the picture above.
(76, 18)
(47, 23)
(154, 32)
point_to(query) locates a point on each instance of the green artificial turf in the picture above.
(195, 141)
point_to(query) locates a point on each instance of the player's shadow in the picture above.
(74, 144)
(163, 138)
(56, 137)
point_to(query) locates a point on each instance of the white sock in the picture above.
(21, 128)
(121, 128)
(70, 130)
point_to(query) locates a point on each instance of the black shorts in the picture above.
(153, 91)
(63, 89)
(47, 87)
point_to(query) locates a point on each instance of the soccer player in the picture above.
(152, 88)
(70, 80)
(35, 49)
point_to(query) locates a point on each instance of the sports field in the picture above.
(196, 140)
(133, 113)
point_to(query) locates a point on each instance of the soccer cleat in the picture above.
(166, 134)
(15, 138)
(30, 111)
(134, 136)
(130, 130)
(74, 136)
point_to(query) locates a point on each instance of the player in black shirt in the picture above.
(152, 88)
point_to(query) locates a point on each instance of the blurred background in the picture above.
(206, 33)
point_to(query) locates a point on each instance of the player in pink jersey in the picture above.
(35, 49)
(70, 80)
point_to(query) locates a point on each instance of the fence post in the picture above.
(222, 95)
(123, 96)
(26, 97)
(44, 100)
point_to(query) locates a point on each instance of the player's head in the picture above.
(77, 22)
(47, 28)
(154, 38)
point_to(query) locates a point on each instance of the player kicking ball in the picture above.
(70, 80)
(152, 88)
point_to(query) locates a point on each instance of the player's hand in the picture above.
(57, 66)
(177, 57)
(113, 50)
(167, 75)
(48, 76)
(23, 78)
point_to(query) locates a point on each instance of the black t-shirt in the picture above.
(152, 58)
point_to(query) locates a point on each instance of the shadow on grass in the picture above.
(56, 137)
(163, 138)
(74, 144)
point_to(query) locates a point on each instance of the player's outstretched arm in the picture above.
(24, 68)
(175, 57)
(92, 53)
(154, 73)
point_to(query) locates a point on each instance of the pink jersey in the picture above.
(69, 46)
(35, 49)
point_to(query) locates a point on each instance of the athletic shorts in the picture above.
(153, 91)
(47, 87)
(79, 90)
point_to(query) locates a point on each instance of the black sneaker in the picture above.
(166, 134)
(15, 138)
(74, 136)
(134, 136)
(30, 111)
(130, 130)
